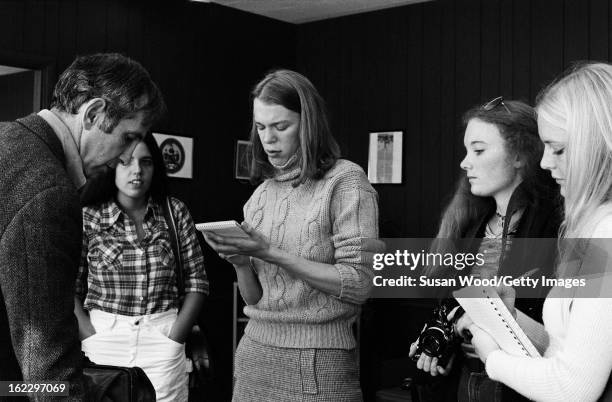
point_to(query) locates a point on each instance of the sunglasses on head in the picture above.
(493, 103)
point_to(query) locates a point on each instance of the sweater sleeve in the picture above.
(579, 369)
(579, 366)
(354, 213)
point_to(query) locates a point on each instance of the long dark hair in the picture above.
(318, 149)
(106, 189)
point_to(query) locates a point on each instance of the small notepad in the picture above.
(222, 228)
(488, 311)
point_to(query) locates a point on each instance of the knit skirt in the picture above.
(272, 374)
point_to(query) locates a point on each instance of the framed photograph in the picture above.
(177, 152)
(385, 157)
(242, 160)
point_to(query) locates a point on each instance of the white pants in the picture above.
(141, 341)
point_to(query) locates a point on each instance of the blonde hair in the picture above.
(580, 103)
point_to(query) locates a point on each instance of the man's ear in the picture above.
(94, 112)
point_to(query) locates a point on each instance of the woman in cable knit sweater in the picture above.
(301, 272)
(575, 124)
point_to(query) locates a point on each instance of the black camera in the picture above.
(438, 338)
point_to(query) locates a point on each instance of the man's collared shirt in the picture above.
(74, 163)
(123, 275)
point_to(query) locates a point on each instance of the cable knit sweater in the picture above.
(577, 339)
(320, 220)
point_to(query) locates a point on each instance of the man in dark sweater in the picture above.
(102, 106)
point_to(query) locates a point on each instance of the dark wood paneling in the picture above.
(490, 60)
(90, 26)
(410, 222)
(506, 41)
(67, 16)
(467, 52)
(136, 26)
(599, 29)
(11, 36)
(431, 142)
(521, 45)
(34, 16)
(547, 45)
(576, 31)
(451, 134)
(468, 77)
(52, 27)
(609, 30)
(468, 42)
(117, 27)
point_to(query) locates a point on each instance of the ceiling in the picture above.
(301, 11)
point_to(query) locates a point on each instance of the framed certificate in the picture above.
(385, 157)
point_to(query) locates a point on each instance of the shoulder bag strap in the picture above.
(176, 248)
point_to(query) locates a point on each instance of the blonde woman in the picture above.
(575, 124)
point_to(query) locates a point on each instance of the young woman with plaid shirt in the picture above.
(127, 296)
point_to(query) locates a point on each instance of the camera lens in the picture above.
(431, 346)
(433, 341)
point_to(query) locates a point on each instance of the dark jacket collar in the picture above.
(521, 198)
(43, 130)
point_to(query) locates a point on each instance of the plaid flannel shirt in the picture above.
(122, 275)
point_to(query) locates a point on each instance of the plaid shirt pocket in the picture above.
(165, 255)
(107, 254)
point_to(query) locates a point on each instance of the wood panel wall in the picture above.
(418, 68)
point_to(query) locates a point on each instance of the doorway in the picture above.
(20, 92)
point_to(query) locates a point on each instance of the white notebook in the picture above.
(488, 311)
(222, 228)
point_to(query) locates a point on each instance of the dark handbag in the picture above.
(121, 384)
(196, 345)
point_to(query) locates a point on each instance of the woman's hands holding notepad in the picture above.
(237, 250)
(236, 259)
(482, 342)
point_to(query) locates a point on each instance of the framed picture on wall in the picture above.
(385, 157)
(177, 152)
(242, 160)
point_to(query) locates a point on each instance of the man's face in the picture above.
(99, 148)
